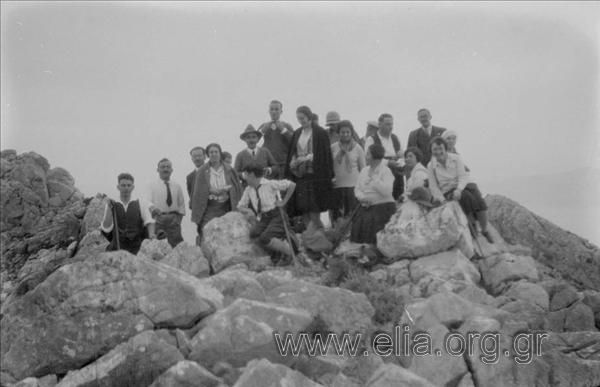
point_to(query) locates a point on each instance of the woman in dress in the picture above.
(217, 189)
(348, 161)
(416, 173)
(310, 166)
(374, 192)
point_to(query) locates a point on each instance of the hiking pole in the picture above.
(115, 224)
(287, 234)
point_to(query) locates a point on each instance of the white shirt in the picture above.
(253, 152)
(427, 129)
(445, 178)
(305, 135)
(267, 190)
(144, 211)
(157, 195)
(386, 142)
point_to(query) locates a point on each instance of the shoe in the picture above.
(488, 236)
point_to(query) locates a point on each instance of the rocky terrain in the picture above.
(74, 315)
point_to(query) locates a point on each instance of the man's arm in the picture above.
(291, 187)
(180, 201)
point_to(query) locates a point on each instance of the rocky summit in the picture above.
(72, 314)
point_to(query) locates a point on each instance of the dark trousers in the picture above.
(170, 224)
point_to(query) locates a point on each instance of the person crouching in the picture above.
(261, 198)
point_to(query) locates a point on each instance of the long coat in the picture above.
(202, 187)
(322, 166)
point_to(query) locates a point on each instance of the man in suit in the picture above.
(421, 137)
(198, 155)
(277, 137)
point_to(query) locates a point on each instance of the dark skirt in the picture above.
(344, 202)
(311, 195)
(369, 221)
(214, 209)
(471, 200)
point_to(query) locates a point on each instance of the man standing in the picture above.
(168, 204)
(422, 136)
(277, 137)
(133, 219)
(198, 156)
(393, 151)
(253, 154)
(332, 119)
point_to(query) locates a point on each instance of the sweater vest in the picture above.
(130, 222)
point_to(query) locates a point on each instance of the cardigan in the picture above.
(202, 186)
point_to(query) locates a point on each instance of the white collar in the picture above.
(251, 150)
(427, 129)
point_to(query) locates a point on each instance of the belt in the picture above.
(170, 212)
(269, 213)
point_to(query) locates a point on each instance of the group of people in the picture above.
(307, 171)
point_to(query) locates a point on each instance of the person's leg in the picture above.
(482, 218)
(315, 219)
(173, 229)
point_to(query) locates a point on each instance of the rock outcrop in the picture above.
(226, 242)
(414, 232)
(574, 257)
(136, 362)
(84, 309)
(41, 208)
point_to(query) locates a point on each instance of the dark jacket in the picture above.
(190, 180)
(419, 138)
(322, 166)
(202, 188)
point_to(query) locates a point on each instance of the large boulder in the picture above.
(262, 373)
(137, 362)
(574, 257)
(94, 214)
(226, 242)
(84, 309)
(498, 271)
(341, 309)
(238, 283)
(245, 330)
(189, 259)
(391, 375)
(413, 232)
(187, 374)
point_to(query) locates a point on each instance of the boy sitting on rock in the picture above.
(261, 198)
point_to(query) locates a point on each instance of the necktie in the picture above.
(253, 153)
(169, 197)
(258, 204)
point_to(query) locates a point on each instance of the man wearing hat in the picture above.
(332, 119)
(278, 136)
(254, 154)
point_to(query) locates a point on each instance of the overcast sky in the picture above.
(101, 88)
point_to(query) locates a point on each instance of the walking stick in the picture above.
(115, 225)
(288, 236)
(344, 228)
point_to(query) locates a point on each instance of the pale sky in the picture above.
(102, 88)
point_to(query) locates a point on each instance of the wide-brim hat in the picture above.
(332, 118)
(422, 196)
(250, 129)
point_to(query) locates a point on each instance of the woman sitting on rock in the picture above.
(217, 189)
(449, 180)
(416, 173)
(374, 192)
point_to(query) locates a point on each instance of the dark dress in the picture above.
(314, 187)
